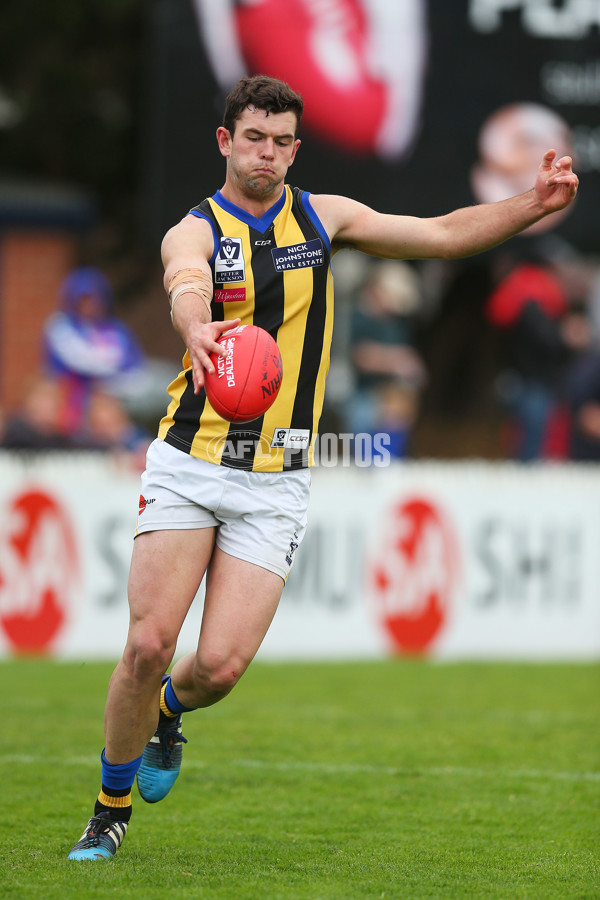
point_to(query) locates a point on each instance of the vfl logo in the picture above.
(229, 251)
(279, 437)
(229, 264)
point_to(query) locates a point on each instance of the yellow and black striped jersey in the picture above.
(273, 272)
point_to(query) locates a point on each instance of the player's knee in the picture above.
(148, 654)
(217, 683)
(216, 677)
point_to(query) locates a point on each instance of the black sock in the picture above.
(117, 803)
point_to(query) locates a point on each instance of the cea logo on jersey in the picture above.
(229, 263)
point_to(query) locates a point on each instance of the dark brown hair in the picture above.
(263, 92)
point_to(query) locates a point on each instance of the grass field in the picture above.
(372, 780)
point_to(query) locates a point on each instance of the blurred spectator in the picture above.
(36, 426)
(582, 394)
(530, 302)
(388, 370)
(397, 406)
(86, 346)
(544, 332)
(109, 428)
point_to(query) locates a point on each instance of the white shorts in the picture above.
(259, 516)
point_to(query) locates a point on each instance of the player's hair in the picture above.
(263, 92)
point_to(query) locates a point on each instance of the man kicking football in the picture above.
(257, 252)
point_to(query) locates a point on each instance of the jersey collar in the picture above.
(262, 224)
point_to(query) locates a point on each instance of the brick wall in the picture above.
(32, 265)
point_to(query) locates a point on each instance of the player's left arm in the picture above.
(463, 232)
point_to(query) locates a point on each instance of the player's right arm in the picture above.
(186, 251)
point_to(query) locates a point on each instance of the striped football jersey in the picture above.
(273, 272)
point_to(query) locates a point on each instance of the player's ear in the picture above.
(297, 143)
(224, 140)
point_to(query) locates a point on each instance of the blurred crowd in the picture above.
(535, 311)
(537, 304)
(515, 331)
(508, 342)
(92, 371)
(512, 335)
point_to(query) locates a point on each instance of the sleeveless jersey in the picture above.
(273, 272)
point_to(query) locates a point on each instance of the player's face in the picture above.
(260, 152)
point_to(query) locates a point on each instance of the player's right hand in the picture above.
(201, 343)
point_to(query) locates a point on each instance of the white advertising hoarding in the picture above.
(454, 561)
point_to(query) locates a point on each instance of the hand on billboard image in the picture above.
(359, 64)
(511, 142)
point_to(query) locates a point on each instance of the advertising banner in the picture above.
(452, 561)
(411, 106)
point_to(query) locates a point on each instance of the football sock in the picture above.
(169, 704)
(115, 794)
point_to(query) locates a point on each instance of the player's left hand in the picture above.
(556, 183)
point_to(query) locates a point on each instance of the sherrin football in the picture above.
(247, 379)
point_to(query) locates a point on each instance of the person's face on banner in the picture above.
(511, 145)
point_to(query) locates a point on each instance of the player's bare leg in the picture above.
(241, 600)
(166, 570)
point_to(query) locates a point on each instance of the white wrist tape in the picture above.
(190, 281)
(188, 289)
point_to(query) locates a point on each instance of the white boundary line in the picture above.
(333, 768)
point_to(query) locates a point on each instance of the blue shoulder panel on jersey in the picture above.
(199, 215)
(305, 200)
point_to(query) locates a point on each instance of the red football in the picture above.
(246, 381)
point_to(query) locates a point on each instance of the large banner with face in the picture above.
(412, 106)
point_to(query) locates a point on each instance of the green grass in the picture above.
(398, 779)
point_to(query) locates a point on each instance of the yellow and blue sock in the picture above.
(169, 704)
(115, 794)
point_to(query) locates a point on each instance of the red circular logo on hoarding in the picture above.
(39, 571)
(413, 574)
